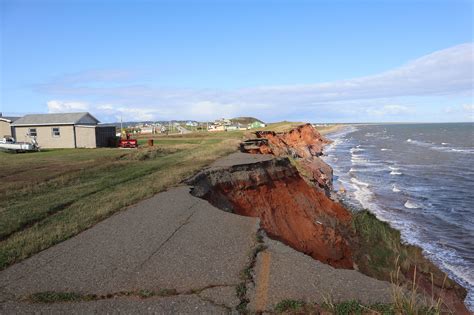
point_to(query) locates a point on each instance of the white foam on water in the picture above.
(356, 149)
(462, 272)
(395, 173)
(384, 149)
(395, 189)
(468, 151)
(419, 143)
(443, 148)
(455, 266)
(448, 149)
(357, 159)
(393, 168)
(412, 205)
(364, 196)
(358, 182)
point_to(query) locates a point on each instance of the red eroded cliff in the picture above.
(303, 142)
(290, 210)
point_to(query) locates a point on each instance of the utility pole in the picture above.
(121, 125)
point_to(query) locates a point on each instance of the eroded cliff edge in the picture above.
(290, 193)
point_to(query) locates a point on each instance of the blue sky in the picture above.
(335, 61)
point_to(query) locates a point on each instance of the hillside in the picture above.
(245, 120)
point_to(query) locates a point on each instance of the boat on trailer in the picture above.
(9, 144)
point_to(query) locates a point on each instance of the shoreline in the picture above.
(324, 131)
(440, 263)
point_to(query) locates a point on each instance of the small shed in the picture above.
(256, 124)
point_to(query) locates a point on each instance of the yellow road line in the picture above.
(262, 282)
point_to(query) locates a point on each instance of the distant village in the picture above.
(164, 127)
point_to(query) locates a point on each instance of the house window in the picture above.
(32, 132)
(56, 132)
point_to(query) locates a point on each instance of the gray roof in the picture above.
(56, 119)
(9, 118)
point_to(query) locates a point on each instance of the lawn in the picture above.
(49, 196)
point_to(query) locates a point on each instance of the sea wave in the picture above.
(364, 196)
(395, 188)
(442, 148)
(358, 182)
(357, 159)
(412, 205)
(396, 173)
(356, 149)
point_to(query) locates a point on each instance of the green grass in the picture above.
(353, 307)
(289, 305)
(56, 297)
(49, 196)
(53, 297)
(381, 251)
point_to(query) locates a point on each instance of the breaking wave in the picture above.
(412, 205)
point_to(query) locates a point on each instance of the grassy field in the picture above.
(287, 125)
(49, 196)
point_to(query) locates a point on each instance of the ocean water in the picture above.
(420, 179)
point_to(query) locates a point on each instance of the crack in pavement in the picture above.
(186, 221)
(86, 297)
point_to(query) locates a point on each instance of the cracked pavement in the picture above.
(170, 241)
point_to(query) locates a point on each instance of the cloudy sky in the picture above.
(332, 61)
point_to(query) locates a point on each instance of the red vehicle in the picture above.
(128, 142)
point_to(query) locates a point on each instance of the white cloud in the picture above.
(446, 72)
(55, 106)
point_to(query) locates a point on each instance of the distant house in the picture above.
(147, 130)
(6, 129)
(232, 128)
(223, 122)
(191, 124)
(256, 124)
(68, 130)
(241, 126)
(216, 128)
